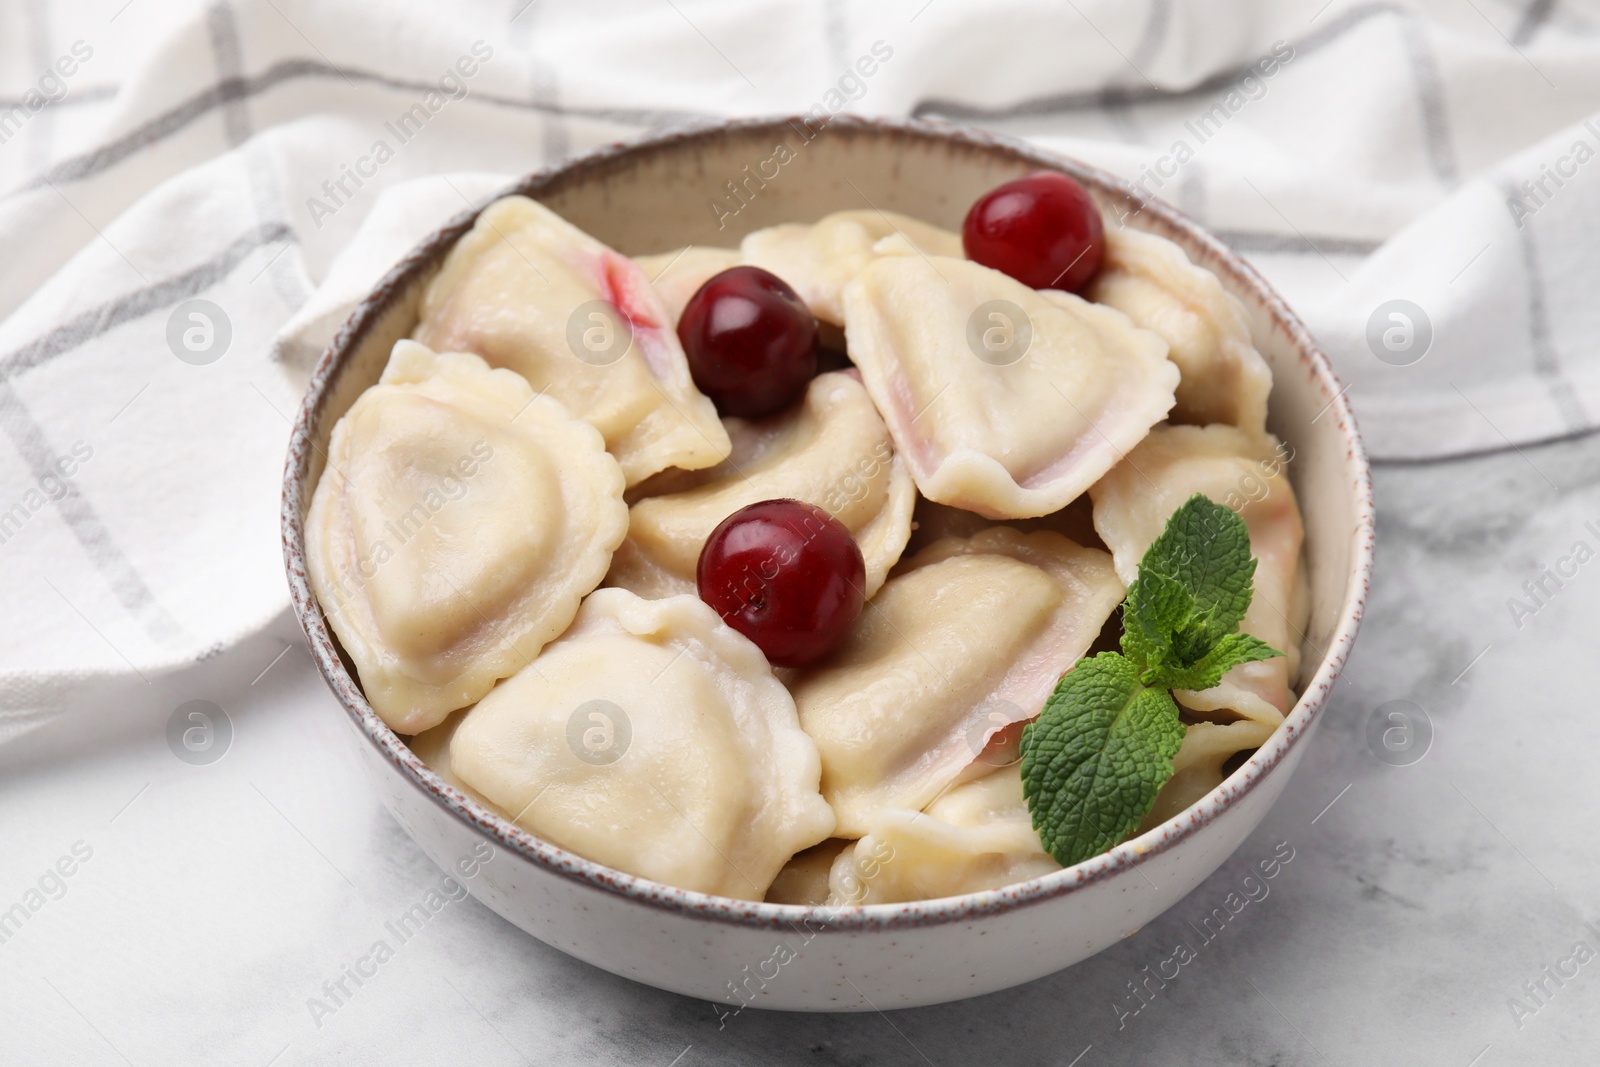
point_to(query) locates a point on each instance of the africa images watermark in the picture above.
(851, 86)
(54, 484)
(1526, 198)
(411, 522)
(1540, 590)
(341, 989)
(751, 585)
(342, 188)
(1206, 125)
(750, 984)
(1538, 992)
(1142, 991)
(51, 88)
(51, 885)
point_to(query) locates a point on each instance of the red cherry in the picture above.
(751, 342)
(1043, 230)
(787, 575)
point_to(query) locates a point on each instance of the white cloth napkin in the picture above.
(156, 155)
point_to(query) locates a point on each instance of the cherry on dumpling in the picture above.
(751, 342)
(787, 575)
(1042, 230)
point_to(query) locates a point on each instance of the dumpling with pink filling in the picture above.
(678, 275)
(527, 290)
(831, 450)
(1002, 401)
(969, 638)
(1245, 472)
(820, 258)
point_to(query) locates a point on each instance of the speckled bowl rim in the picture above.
(620, 156)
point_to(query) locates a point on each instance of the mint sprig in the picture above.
(1102, 748)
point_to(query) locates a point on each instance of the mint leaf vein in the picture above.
(1102, 748)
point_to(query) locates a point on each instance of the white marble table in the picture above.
(216, 900)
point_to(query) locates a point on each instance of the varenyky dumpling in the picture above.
(432, 747)
(1224, 378)
(819, 259)
(1056, 401)
(678, 275)
(804, 879)
(1197, 767)
(654, 739)
(931, 521)
(977, 836)
(1239, 470)
(527, 290)
(458, 523)
(970, 637)
(833, 451)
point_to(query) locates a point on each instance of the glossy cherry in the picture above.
(751, 342)
(1043, 230)
(787, 575)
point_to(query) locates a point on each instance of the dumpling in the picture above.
(678, 275)
(1223, 377)
(819, 259)
(804, 879)
(1238, 470)
(652, 738)
(832, 451)
(527, 290)
(977, 836)
(432, 747)
(1012, 437)
(460, 520)
(970, 638)
(1197, 767)
(930, 521)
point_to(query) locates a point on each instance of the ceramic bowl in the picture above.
(711, 185)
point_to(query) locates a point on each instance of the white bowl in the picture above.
(657, 194)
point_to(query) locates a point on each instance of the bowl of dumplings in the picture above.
(524, 465)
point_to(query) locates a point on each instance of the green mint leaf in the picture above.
(1095, 758)
(1225, 655)
(1152, 600)
(1102, 748)
(1193, 589)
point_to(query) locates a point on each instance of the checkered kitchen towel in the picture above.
(179, 181)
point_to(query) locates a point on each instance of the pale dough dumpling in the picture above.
(1224, 378)
(527, 290)
(432, 747)
(458, 523)
(977, 836)
(931, 521)
(819, 259)
(1238, 470)
(678, 275)
(832, 451)
(804, 879)
(970, 638)
(1028, 427)
(654, 739)
(1197, 768)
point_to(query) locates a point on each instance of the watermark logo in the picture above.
(999, 332)
(598, 333)
(1399, 733)
(199, 332)
(599, 732)
(199, 732)
(990, 733)
(1399, 332)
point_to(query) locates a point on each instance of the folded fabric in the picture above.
(192, 195)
